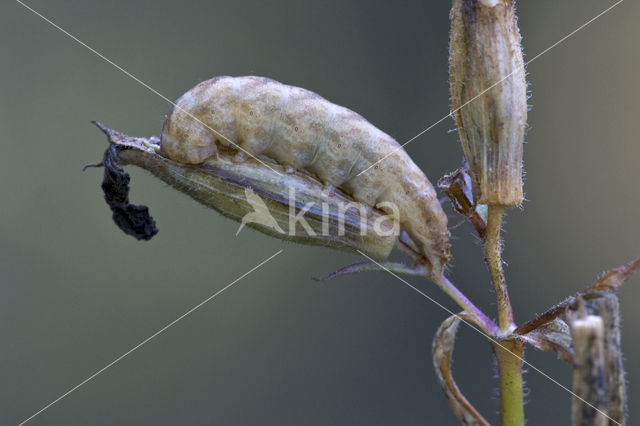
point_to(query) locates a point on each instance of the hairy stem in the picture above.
(487, 325)
(508, 354)
(494, 262)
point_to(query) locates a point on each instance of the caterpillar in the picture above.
(301, 131)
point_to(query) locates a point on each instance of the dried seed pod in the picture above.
(607, 307)
(589, 381)
(304, 132)
(249, 192)
(488, 96)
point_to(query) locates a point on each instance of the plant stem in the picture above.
(508, 354)
(494, 262)
(487, 325)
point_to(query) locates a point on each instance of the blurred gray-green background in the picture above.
(278, 348)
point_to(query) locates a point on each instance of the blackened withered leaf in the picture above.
(132, 219)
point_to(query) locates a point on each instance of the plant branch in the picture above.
(609, 281)
(487, 325)
(546, 317)
(484, 322)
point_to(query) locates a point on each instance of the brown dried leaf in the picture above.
(554, 336)
(609, 281)
(443, 343)
(612, 279)
(457, 185)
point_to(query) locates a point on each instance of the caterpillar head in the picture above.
(185, 138)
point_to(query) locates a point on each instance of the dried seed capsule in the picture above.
(290, 206)
(607, 307)
(488, 96)
(589, 383)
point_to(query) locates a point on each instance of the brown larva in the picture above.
(300, 130)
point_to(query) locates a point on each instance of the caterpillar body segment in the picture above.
(302, 131)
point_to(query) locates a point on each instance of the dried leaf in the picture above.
(553, 336)
(443, 343)
(132, 219)
(399, 268)
(457, 185)
(612, 279)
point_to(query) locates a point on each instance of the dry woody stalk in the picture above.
(488, 96)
